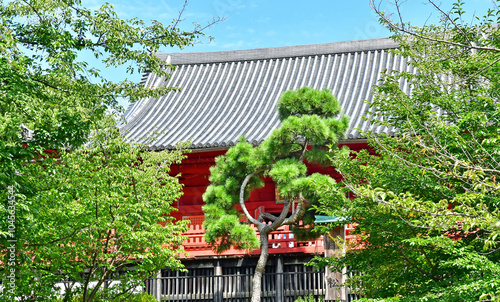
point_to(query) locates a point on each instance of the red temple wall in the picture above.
(194, 175)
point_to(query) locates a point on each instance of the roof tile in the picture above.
(227, 94)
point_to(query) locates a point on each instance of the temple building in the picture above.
(224, 95)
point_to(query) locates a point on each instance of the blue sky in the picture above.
(274, 23)
(271, 23)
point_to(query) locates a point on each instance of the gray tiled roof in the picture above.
(227, 94)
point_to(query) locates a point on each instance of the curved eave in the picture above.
(221, 100)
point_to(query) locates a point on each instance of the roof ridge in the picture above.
(277, 52)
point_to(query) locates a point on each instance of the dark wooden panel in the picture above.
(234, 282)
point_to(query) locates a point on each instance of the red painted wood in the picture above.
(194, 175)
(281, 241)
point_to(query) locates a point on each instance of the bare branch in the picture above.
(284, 212)
(447, 15)
(299, 212)
(402, 29)
(242, 195)
(40, 18)
(267, 216)
(179, 16)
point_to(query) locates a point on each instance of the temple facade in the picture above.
(228, 94)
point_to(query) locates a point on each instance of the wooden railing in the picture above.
(276, 287)
(280, 241)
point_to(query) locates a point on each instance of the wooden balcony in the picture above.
(280, 241)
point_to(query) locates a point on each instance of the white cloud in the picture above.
(234, 45)
(263, 20)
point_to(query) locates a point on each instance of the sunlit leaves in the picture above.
(47, 86)
(68, 204)
(98, 210)
(426, 204)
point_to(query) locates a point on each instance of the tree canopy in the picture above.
(47, 86)
(427, 202)
(310, 120)
(90, 214)
(99, 213)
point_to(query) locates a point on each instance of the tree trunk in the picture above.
(261, 265)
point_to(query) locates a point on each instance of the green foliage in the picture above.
(309, 123)
(309, 298)
(92, 213)
(427, 204)
(286, 170)
(308, 101)
(101, 212)
(46, 86)
(138, 297)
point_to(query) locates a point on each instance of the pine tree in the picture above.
(310, 120)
